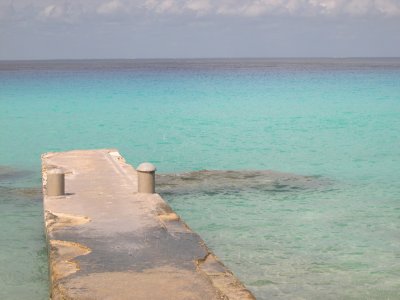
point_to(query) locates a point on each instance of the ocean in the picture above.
(287, 168)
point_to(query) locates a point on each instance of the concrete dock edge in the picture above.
(107, 241)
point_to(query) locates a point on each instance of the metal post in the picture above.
(146, 178)
(55, 182)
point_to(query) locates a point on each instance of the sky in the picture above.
(84, 29)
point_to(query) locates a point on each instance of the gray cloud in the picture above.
(73, 10)
(198, 28)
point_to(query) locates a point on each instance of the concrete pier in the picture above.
(107, 241)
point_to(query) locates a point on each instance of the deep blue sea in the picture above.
(331, 230)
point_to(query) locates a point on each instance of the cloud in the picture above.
(199, 6)
(112, 7)
(388, 7)
(53, 11)
(7, 11)
(256, 8)
(167, 6)
(73, 10)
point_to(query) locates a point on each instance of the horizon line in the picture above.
(199, 58)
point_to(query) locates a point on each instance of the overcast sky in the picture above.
(51, 29)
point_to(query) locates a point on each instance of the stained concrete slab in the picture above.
(106, 241)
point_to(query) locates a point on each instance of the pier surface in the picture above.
(107, 241)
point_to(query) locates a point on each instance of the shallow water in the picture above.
(325, 227)
(296, 237)
(23, 255)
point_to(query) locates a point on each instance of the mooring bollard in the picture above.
(55, 183)
(146, 178)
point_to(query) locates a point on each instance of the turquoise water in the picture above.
(337, 119)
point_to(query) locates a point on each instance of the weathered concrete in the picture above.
(106, 241)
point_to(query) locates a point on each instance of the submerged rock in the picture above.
(10, 178)
(20, 192)
(9, 173)
(207, 181)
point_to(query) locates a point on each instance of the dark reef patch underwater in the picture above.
(12, 184)
(217, 181)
